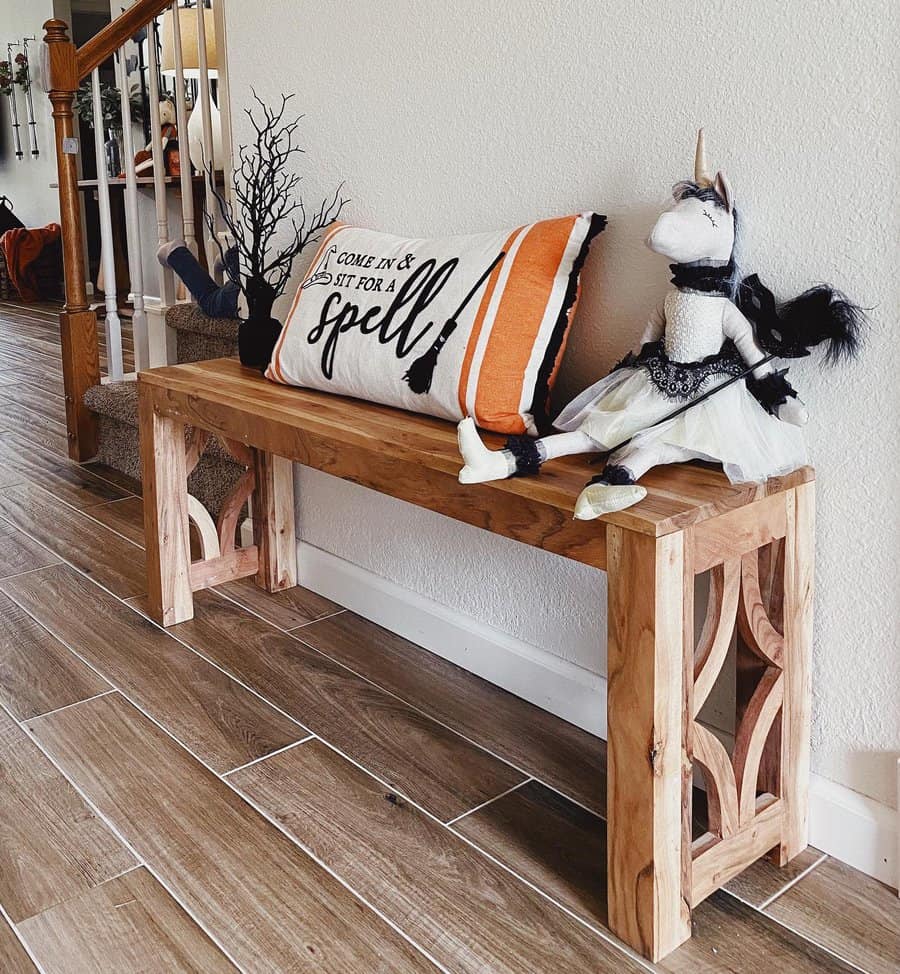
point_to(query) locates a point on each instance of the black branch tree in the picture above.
(266, 218)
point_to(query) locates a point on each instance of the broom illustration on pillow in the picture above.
(420, 374)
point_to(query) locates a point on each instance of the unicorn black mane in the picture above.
(688, 189)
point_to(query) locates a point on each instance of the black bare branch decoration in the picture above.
(264, 190)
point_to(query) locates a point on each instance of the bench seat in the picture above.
(754, 540)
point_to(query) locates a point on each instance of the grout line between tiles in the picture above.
(4, 916)
(762, 906)
(75, 703)
(222, 778)
(265, 757)
(303, 625)
(800, 936)
(490, 801)
(418, 709)
(390, 693)
(139, 860)
(263, 813)
(27, 571)
(606, 936)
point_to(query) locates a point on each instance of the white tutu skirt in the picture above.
(730, 427)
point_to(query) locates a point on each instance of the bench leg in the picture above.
(165, 515)
(648, 905)
(273, 522)
(795, 740)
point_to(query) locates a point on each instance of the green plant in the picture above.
(110, 105)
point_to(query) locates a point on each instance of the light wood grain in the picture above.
(799, 573)
(715, 863)
(416, 458)
(14, 958)
(553, 843)
(289, 609)
(721, 788)
(37, 672)
(469, 914)
(847, 912)
(733, 534)
(164, 477)
(262, 899)
(129, 925)
(718, 629)
(53, 846)
(422, 759)
(219, 720)
(18, 553)
(75, 485)
(273, 522)
(541, 744)
(648, 908)
(114, 562)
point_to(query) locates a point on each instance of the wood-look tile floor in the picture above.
(279, 785)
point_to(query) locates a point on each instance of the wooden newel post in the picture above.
(77, 322)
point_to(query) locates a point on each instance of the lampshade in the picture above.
(190, 55)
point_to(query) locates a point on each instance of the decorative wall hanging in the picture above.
(703, 385)
(29, 99)
(266, 207)
(452, 326)
(13, 75)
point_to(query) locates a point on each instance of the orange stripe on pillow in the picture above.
(517, 324)
(274, 372)
(479, 323)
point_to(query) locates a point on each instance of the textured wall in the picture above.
(27, 182)
(453, 118)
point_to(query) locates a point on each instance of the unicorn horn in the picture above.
(701, 174)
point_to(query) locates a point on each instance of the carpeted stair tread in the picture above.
(189, 317)
(116, 404)
(119, 401)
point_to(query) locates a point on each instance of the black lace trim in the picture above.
(681, 381)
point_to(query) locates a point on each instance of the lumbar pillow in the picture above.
(453, 327)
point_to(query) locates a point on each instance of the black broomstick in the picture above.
(419, 375)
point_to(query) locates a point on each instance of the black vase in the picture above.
(256, 341)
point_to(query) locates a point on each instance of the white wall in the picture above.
(481, 114)
(27, 182)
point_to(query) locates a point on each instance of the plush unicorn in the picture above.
(703, 385)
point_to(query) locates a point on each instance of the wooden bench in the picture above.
(756, 543)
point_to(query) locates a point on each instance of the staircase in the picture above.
(101, 419)
(116, 407)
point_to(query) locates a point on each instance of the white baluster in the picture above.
(113, 325)
(209, 162)
(132, 226)
(160, 341)
(187, 187)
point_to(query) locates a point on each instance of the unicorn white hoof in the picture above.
(482, 464)
(598, 499)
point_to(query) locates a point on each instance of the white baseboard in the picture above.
(843, 823)
(545, 680)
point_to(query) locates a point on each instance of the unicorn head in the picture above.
(700, 224)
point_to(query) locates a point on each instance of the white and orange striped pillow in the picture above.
(453, 327)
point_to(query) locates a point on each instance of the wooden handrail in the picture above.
(101, 46)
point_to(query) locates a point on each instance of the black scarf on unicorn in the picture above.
(709, 278)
